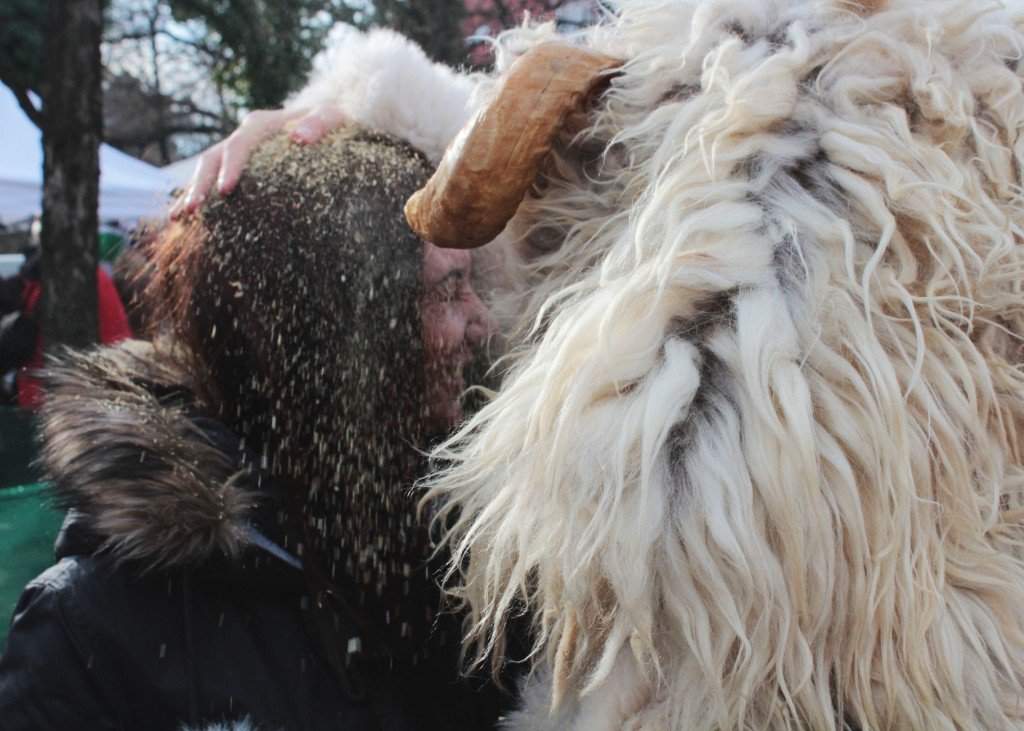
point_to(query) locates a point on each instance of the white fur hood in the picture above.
(386, 83)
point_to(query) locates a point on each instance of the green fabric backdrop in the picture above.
(18, 448)
(28, 527)
(28, 522)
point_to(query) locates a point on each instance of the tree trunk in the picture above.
(164, 138)
(72, 126)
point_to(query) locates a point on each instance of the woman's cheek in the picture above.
(449, 328)
(455, 328)
(432, 323)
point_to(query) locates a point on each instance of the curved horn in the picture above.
(494, 160)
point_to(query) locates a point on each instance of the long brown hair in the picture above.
(296, 302)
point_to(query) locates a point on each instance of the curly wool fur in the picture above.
(148, 480)
(757, 460)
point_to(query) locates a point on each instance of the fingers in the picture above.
(205, 174)
(223, 163)
(255, 128)
(319, 122)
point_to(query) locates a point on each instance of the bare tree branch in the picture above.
(197, 43)
(187, 106)
(25, 102)
(135, 35)
(146, 137)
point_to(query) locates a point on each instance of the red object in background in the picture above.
(113, 322)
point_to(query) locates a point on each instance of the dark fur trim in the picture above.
(120, 447)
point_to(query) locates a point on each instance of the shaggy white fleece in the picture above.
(385, 82)
(756, 461)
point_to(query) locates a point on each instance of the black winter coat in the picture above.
(146, 623)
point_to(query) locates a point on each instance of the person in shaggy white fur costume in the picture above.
(756, 458)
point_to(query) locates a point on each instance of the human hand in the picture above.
(224, 162)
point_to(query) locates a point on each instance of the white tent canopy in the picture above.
(129, 189)
(180, 172)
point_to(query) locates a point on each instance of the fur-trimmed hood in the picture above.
(127, 449)
(170, 609)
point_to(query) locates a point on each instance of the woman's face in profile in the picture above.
(455, 322)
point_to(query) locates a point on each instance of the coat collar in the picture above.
(124, 448)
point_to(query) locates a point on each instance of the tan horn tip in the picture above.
(491, 164)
